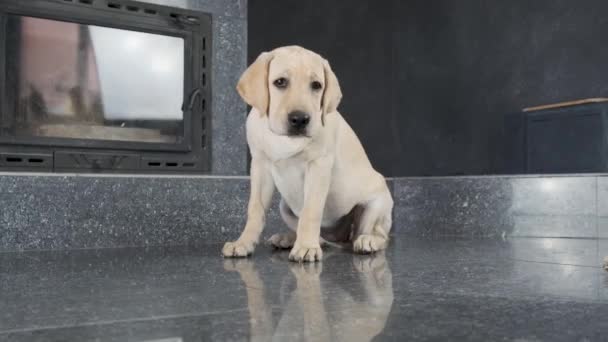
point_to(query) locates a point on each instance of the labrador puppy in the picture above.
(301, 145)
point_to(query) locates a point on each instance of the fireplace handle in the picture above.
(193, 95)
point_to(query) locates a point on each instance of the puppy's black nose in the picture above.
(298, 119)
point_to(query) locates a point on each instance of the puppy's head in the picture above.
(295, 87)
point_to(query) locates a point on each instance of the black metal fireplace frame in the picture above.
(191, 155)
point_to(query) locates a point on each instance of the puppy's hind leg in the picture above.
(287, 239)
(374, 225)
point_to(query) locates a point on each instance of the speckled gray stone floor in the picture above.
(518, 289)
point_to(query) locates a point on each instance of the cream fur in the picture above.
(324, 177)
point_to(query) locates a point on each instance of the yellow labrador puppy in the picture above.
(301, 145)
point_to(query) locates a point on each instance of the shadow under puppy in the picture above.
(301, 145)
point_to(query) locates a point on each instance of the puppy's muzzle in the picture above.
(297, 121)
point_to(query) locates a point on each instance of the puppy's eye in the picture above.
(281, 83)
(316, 85)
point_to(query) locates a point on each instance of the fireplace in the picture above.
(104, 86)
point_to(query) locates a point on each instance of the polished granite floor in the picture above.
(447, 289)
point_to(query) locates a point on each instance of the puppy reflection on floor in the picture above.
(350, 305)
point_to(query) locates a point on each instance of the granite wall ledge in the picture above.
(563, 206)
(70, 211)
(73, 211)
(99, 211)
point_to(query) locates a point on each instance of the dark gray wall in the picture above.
(427, 83)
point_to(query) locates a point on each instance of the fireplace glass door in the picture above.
(91, 82)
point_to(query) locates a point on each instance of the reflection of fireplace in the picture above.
(103, 85)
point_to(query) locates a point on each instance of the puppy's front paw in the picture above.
(366, 244)
(238, 249)
(306, 254)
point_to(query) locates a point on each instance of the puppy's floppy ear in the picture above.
(332, 94)
(253, 84)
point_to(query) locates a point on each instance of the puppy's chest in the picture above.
(289, 177)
